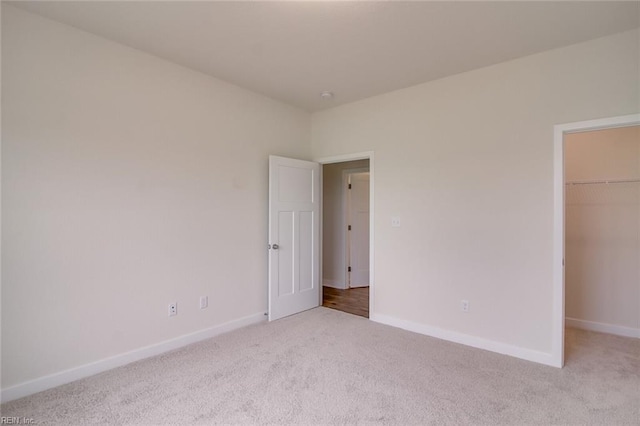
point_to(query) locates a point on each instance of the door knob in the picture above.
(275, 246)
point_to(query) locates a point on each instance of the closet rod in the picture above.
(591, 182)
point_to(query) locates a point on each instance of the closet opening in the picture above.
(598, 246)
(602, 230)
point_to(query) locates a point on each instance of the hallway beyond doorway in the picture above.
(352, 300)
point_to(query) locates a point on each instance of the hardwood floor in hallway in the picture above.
(353, 300)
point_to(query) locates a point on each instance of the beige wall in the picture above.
(333, 222)
(602, 251)
(127, 183)
(467, 163)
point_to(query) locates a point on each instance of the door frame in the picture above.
(365, 155)
(346, 213)
(559, 131)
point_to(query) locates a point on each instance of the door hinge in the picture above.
(349, 186)
(349, 270)
(349, 228)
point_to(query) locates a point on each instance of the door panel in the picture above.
(306, 251)
(285, 253)
(295, 184)
(294, 212)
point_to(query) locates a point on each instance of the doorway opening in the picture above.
(596, 228)
(346, 266)
(602, 234)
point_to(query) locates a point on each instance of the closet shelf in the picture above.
(600, 182)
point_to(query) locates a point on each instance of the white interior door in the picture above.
(358, 241)
(294, 236)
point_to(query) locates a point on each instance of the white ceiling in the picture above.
(292, 51)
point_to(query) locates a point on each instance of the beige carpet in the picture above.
(328, 367)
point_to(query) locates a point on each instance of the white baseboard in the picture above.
(601, 327)
(465, 339)
(68, 376)
(332, 283)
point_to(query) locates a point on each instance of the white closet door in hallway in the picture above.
(358, 240)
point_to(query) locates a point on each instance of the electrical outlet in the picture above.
(395, 221)
(204, 302)
(173, 309)
(464, 305)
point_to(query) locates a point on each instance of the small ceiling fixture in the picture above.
(326, 95)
